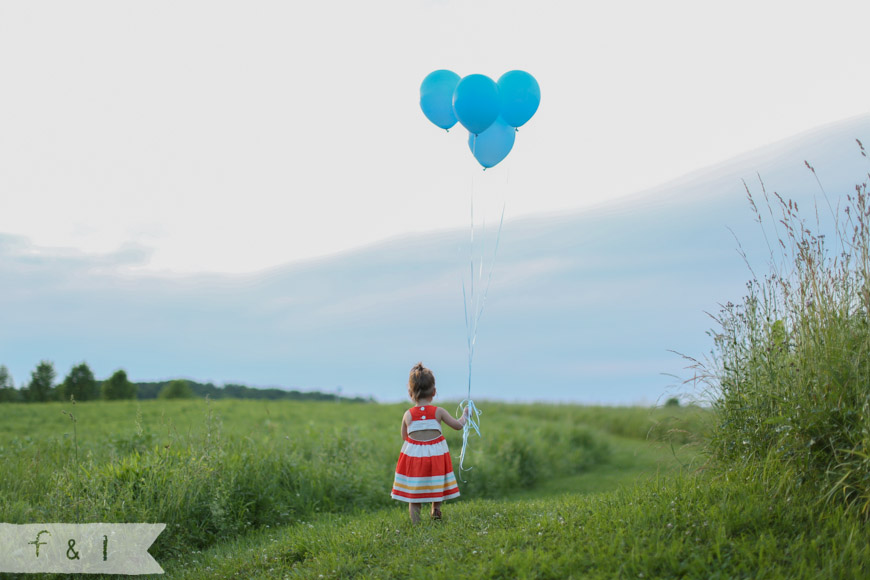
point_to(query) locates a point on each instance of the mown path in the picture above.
(632, 461)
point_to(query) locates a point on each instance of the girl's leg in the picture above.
(436, 510)
(414, 510)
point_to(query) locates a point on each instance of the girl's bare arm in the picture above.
(442, 415)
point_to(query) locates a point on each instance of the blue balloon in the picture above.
(475, 102)
(436, 97)
(494, 144)
(520, 96)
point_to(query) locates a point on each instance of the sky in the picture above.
(234, 137)
(181, 183)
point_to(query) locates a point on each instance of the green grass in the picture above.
(646, 505)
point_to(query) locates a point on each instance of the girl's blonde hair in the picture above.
(421, 383)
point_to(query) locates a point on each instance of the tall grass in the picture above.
(791, 363)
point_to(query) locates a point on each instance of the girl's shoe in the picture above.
(436, 514)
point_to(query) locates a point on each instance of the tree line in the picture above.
(80, 384)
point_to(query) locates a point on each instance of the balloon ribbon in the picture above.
(472, 421)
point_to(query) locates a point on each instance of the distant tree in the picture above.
(672, 402)
(80, 384)
(178, 389)
(10, 395)
(8, 392)
(149, 390)
(5, 378)
(152, 391)
(118, 387)
(41, 387)
(207, 390)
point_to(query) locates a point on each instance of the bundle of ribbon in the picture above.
(472, 421)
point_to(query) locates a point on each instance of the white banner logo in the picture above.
(79, 548)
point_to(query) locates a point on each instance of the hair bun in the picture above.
(421, 382)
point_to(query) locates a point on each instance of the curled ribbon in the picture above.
(472, 421)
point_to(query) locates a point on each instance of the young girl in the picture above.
(424, 472)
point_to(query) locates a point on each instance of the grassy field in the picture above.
(253, 489)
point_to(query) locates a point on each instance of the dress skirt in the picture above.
(424, 472)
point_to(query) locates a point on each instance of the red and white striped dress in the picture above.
(424, 472)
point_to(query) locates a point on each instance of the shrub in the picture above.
(178, 389)
(118, 387)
